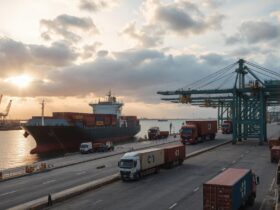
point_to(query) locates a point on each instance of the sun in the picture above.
(20, 81)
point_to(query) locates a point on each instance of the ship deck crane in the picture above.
(244, 99)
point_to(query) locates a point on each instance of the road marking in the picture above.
(196, 189)
(11, 192)
(271, 185)
(50, 181)
(96, 202)
(80, 173)
(171, 207)
(223, 169)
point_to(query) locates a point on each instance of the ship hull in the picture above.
(65, 139)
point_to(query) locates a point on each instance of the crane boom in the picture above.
(8, 109)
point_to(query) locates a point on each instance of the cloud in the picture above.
(136, 73)
(255, 32)
(16, 57)
(181, 17)
(90, 50)
(147, 36)
(68, 27)
(97, 5)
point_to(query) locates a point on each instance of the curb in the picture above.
(193, 154)
(77, 190)
(83, 161)
(68, 193)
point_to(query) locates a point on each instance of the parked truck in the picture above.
(134, 165)
(227, 127)
(156, 133)
(198, 131)
(230, 190)
(89, 147)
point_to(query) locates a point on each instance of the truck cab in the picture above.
(129, 166)
(227, 127)
(188, 133)
(86, 147)
(154, 133)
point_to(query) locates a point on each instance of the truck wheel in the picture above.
(137, 176)
(251, 200)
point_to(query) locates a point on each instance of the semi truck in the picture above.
(198, 131)
(156, 133)
(227, 127)
(134, 165)
(230, 190)
(89, 147)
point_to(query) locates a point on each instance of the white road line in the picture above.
(50, 181)
(171, 207)
(271, 185)
(80, 173)
(96, 202)
(196, 189)
(223, 169)
(11, 192)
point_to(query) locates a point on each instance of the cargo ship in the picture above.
(63, 132)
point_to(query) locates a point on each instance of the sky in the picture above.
(71, 53)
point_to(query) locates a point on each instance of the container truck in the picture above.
(155, 133)
(230, 190)
(195, 131)
(134, 165)
(227, 127)
(89, 147)
(275, 154)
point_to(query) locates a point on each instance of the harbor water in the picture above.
(15, 148)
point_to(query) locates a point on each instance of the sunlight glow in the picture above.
(21, 81)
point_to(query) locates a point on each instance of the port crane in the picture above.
(3, 115)
(242, 92)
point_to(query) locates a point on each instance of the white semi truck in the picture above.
(133, 165)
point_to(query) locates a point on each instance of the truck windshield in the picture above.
(126, 164)
(152, 130)
(84, 146)
(187, 130)
(225, 125)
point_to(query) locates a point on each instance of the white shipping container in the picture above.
(151, 158)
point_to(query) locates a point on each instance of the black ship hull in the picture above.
(65, 139)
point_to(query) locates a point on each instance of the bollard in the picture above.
(1, 175)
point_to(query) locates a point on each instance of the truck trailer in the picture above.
(134, 165)
(198, 131)
(230, 190)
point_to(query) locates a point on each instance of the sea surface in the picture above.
(15, 148)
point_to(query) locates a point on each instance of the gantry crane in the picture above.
(3, 115)
(241, 91)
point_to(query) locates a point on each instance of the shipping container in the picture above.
(174, 155)
(230, 190)
(151, 158)
(275, 154)
(164, 134)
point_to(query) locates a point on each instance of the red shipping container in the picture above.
(273, 142)
(174, 154)
(275, 154)
(229, 190)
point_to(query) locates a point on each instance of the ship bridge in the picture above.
(109, 106)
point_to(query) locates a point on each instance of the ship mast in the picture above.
(43, 110)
